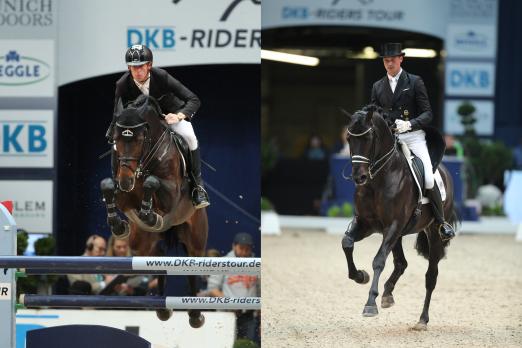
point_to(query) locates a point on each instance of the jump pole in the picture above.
(142, 265)
(141, 302)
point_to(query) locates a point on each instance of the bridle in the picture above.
(148, 152)
(375, 166)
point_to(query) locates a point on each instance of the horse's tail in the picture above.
(422, 245)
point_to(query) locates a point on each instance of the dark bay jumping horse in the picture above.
(386, 201)
(151, 189)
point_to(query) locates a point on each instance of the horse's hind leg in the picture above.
(146, 214)
(354, 234)
(400, 264)
(196, 319)
(119, 227)
(194, 234)
(163, 314)
(436, 253)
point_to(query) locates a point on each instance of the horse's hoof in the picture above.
(387, 301)
(164, 314)
(370, 311)
(197, 322)
(420, 326)
(122, 231)
(362, 277)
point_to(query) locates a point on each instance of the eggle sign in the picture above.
(26, 68)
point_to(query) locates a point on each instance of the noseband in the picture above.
(374, 167)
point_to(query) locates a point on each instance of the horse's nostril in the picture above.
(361, 179)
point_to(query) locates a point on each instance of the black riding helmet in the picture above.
(138, 55)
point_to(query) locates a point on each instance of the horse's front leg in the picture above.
(146, 214)
(353, 234)
(391, 235)
(119, 227)
(400, 264)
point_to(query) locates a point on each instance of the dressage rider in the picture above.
(404, 97)
(178, 104)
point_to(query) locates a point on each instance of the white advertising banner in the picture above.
(28, 18)
(484, 113)
(32, 203)
(471, 40)
(94, 35)
(26, 139)
(27, 68)
(423, 16)
(470, 79)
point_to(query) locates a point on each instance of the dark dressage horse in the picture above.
(386, 201)
(151, 189)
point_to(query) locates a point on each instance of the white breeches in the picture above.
(416, 142)
(184, 128)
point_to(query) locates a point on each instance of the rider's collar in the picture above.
(145, 83)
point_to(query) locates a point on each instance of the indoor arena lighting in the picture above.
(289, 58)
(420, 53)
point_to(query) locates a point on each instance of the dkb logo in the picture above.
(152, 37)
(23, 138)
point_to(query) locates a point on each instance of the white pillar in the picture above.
(7, 281)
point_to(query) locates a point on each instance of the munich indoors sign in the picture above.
(26, 68)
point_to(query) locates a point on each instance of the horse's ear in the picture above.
(346, 113)
(369, 114)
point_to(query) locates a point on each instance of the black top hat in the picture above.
(391, 49)
(243, 238)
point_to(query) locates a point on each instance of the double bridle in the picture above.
(374, 166)
(148, 152)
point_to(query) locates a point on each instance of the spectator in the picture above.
(316, 149)
(119, 247)
(122, 284)
(453, 146)
(88, 284)
(203, 279)
(342, 147)
(247, 321)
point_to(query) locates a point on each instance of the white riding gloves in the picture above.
(402, 126)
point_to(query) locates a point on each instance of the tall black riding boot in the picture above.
(198, 193)
(445, 229)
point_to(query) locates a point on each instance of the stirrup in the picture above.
(204, 203)
(443, 237)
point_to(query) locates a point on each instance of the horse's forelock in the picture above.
(129, 117)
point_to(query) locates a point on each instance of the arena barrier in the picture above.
(109, 265)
